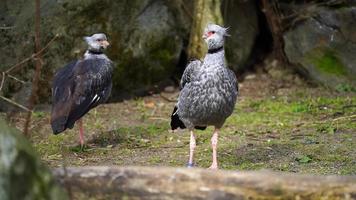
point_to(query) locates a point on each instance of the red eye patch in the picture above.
(210, 33)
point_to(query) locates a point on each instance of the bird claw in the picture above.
(213, 167)
(82, 147)
(190, 165)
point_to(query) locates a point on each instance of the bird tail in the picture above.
(175, 121)
(200, 127)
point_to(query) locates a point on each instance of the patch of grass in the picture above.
(38, 114)
(345, 88)
(304, 159)
(304, 132)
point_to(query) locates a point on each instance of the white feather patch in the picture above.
(94, 99)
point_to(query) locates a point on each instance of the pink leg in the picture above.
(81, 132)
(191, 149)
(214, 145)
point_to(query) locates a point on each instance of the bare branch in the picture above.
(15, 103)
(186, 10)
(16, 79)
(6, 27)
(2, 80)
(167, 98)
(33, 55)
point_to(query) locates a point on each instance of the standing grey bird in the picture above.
(209, 92)
(81, 85)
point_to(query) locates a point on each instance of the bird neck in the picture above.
(215, 56)
(90, 54)
(211, 51)
(95, 52)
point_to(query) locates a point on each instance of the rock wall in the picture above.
(146, 37)
(242, 19)
(150, 39)
(323, 45)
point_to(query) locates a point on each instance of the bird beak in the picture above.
(105, 43)
(206, 35)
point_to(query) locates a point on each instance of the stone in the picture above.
(146, 38)
(323, 46)
(242, 19)
(22, 175)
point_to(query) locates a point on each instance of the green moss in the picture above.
(326, 61)
(133, 72)
(344, 87)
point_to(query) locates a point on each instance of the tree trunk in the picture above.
(33, 98)
(182, 183)
(273, 16)
(205, 11)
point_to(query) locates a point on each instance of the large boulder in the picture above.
(22, 175)
(242, 19)
(323, 46)
(146, 37)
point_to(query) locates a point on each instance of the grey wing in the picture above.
(190, 72)
(233, 80)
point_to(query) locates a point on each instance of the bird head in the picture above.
(97, 42)
(214, 36)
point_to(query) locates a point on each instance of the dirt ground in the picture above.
(279, 123)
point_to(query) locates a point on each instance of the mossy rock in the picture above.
(327, 62)
(22, 175)
(146, 38)
(324, 45)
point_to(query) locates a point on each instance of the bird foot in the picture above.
(213, 167)
(82, 147)
(190, 165)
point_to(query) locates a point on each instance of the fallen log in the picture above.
(183, 183)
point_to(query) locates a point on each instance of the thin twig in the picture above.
(186, 10)
(329, 120)
(16, 79)
(14, 103)
(346, 117)
(2, 80)
(166, 98)
(5, 73)
(6, 27)
(33, 55)
(159, 118)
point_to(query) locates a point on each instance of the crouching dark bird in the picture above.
(209, 92)
(81, 85)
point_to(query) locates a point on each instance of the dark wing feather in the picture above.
(61, 79)
(89, 86)
(62, 91)
(175, 121)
